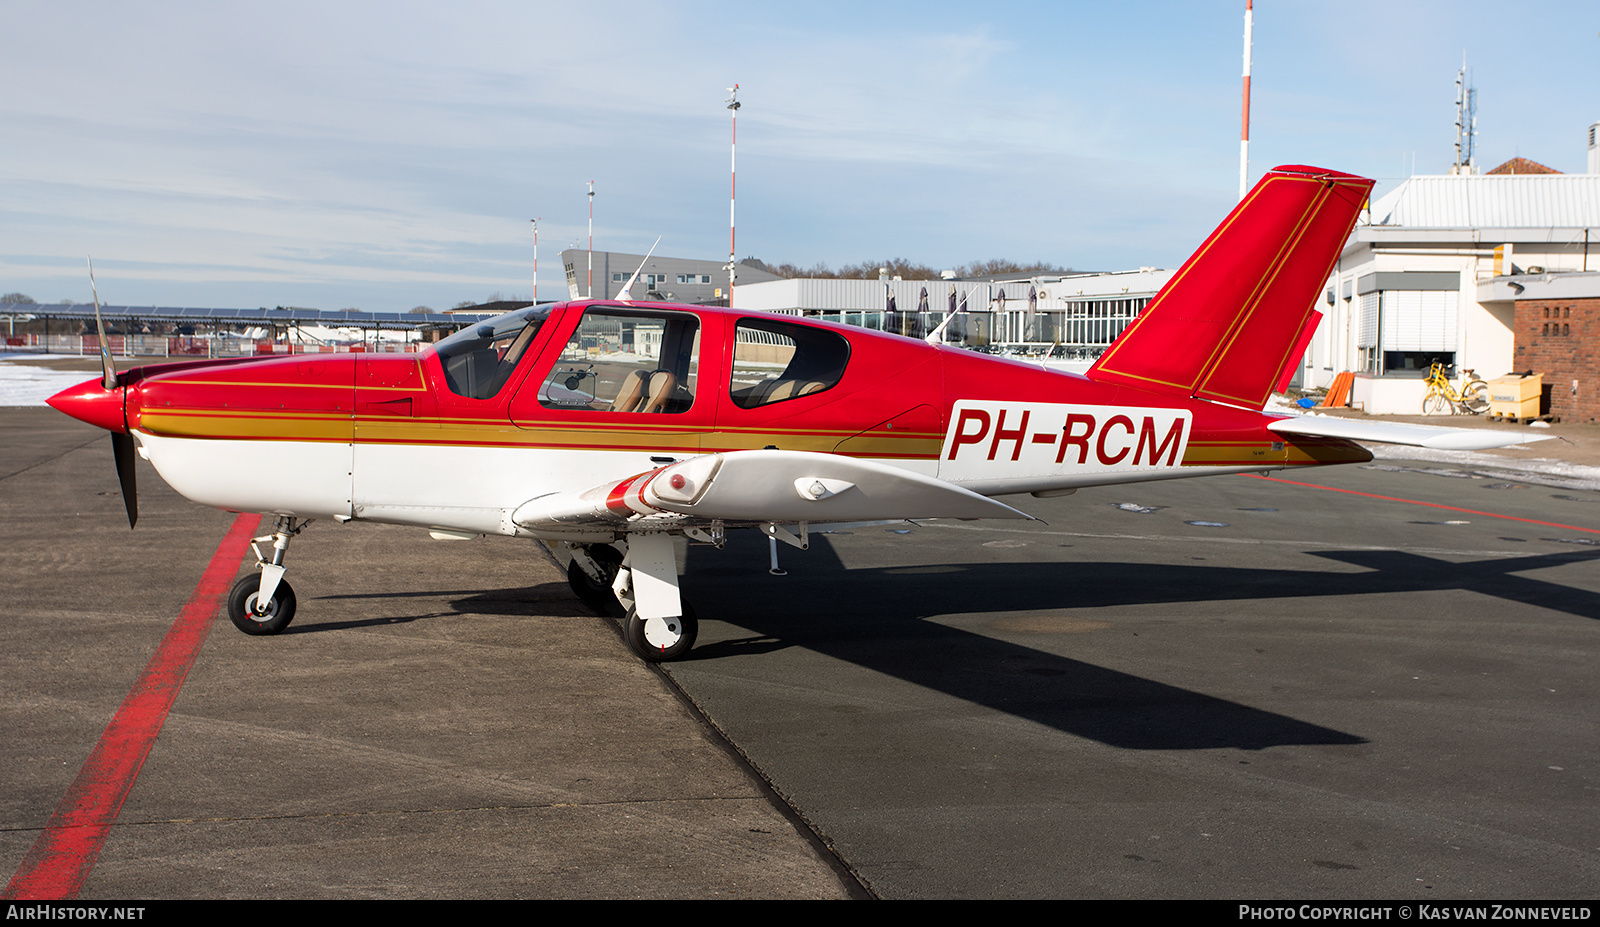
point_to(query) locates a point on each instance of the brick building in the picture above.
(1557, 332)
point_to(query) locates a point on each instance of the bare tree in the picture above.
(905, 269)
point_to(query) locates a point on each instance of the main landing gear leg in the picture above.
(659, 625)
(265, 604)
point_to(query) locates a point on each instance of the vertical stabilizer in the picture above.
(1225, 326)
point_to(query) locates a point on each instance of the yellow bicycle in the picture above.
(1441, 397)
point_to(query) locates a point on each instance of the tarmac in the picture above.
(1372, 681)
(442, 720)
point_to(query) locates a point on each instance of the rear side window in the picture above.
(778, 361)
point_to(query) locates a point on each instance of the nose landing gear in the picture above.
(265, 604)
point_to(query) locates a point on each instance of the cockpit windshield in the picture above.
(480, 358)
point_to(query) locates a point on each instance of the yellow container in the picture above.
(1516, 397)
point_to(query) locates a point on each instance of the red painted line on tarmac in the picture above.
(60, 860)
(1531, 521)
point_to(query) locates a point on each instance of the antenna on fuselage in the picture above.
(624, 296)
(937, 335)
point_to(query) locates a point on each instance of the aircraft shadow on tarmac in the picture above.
(875, 619)
(551, 600)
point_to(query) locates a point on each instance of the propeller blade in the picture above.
(108, 370)
(122, 449)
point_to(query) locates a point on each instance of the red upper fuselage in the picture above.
(894, 401)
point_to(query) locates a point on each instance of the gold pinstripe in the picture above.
(1250, 302)
(1302, 227)
(344, 428)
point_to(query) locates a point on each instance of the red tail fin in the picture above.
(1224, 326)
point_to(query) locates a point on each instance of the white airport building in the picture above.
(1415, 282)
(1075, 316)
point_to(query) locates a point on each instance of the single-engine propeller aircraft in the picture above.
(604, 429)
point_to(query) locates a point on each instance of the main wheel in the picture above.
(242, 606)
(661, 640)
(1437, 403)
(596, 596)
(1475, 397)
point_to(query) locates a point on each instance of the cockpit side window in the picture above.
(625, 361)
(479, 359)
(778, 361)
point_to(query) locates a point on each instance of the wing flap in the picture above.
(751, 487)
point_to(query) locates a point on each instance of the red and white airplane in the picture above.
(603, 429)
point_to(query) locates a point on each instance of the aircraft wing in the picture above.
(752, 487)
(1433, 436)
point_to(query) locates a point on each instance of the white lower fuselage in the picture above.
(474, 489)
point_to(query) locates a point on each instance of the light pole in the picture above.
(536, 262)
(591, 239)
(1244, 121)
(733, 184)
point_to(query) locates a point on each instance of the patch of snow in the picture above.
(27, 385)
(1541, 470)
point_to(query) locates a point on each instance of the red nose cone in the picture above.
(91, 402)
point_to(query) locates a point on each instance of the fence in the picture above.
(183, 346)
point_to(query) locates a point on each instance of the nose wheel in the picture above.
(262, 603)
(252, 615)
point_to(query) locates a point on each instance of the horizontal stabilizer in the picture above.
(1433, 436)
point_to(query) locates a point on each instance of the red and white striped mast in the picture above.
(1244, 123)
(733, 183)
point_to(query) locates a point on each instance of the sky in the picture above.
(388, 155)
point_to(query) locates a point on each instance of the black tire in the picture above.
(687, 628)
(242, 601)
(1437, 403)
(1475, 397)
(600, 598)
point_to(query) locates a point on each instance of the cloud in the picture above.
(404, 147)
